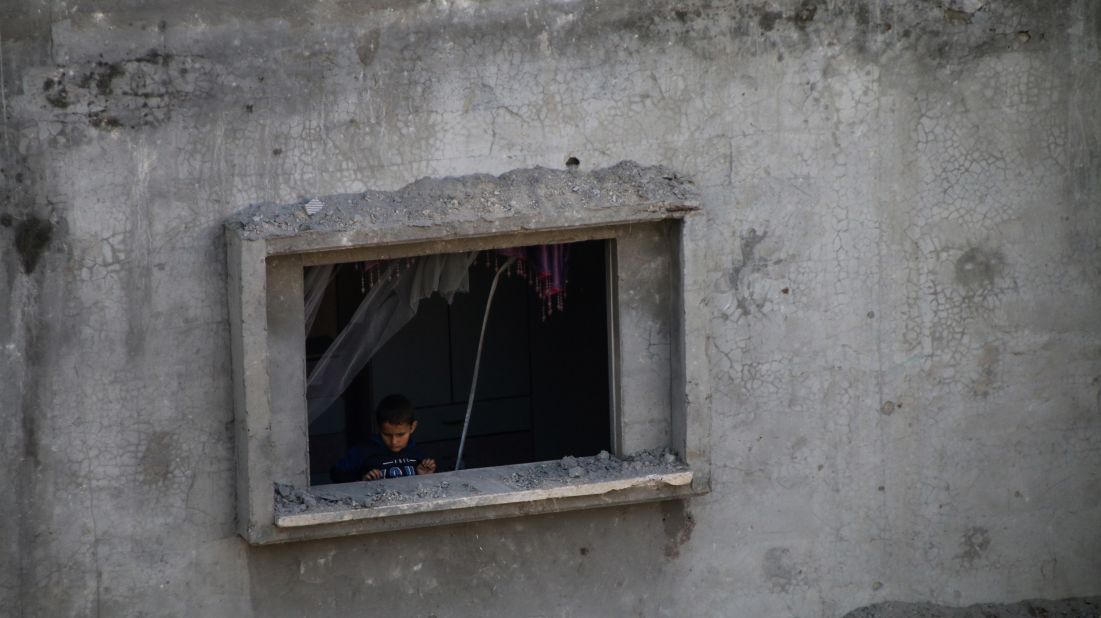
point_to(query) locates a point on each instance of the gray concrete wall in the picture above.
(902, 246)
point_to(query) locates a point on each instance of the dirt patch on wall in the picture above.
(31, 237)
(131, 93)
(678, 524)
(1082, 607)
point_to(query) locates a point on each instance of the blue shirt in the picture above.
(376, 456)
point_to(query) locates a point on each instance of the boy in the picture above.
(391, 453)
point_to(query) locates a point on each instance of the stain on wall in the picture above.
(131, 92)
(974, 544)
(32, 235)
(678, 523)
(780, 570)
(986, 379)
(749, 264)
(979, 268)
(368, 47)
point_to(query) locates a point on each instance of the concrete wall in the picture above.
(905, 274)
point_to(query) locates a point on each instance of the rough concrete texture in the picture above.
(568, 470)
(1088, 607)
(902, 224)
(526, 193)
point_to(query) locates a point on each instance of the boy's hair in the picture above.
(394, 409)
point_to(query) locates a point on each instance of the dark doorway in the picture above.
(542, 391)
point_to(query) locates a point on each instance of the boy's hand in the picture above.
(426, 466)
(373, 475)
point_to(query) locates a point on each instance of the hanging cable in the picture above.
(478, 362)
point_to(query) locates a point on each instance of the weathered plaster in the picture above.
(902, 277)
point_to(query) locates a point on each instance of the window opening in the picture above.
(654, 389)
(543, 389)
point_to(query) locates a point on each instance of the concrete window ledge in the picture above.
(471, 495)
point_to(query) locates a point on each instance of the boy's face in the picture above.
(396, 436)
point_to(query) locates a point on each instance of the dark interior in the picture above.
(542, 389)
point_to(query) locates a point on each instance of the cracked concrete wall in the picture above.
(902, 241)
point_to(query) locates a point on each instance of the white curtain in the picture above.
(317, 279)
(389, 305)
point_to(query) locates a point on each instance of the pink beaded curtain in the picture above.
(545, 267)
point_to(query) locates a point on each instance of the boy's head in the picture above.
(396, 422)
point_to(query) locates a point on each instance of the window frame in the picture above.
(265, 290)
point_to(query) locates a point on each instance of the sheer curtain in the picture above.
(317, 279)
(388, 306)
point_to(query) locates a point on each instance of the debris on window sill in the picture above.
(570, 477)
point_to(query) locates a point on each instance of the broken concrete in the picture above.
(447, 490)
(531, 196)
